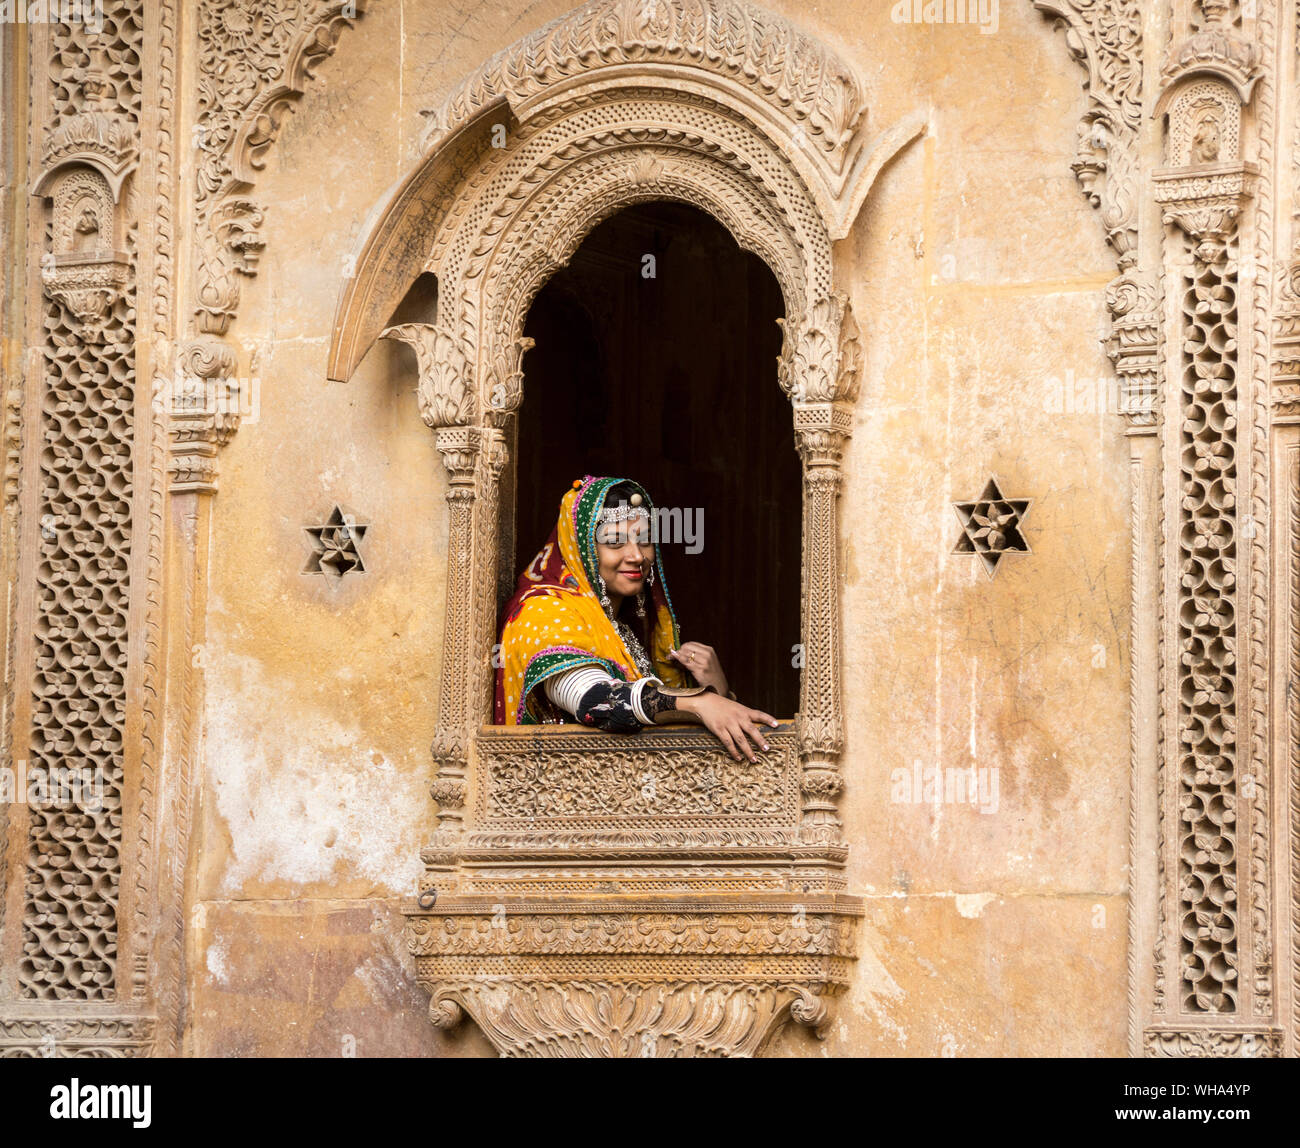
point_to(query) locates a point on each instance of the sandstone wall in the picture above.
(976, 269)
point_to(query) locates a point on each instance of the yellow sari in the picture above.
(555, 622)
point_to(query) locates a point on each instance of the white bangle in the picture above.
(637, 690)
(566, 690)
(569, 688)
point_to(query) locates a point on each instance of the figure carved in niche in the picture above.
(1205, 140)
(87, 228)
(575, 635)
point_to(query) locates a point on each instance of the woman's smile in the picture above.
(619, 544)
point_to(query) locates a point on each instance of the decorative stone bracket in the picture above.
(253, 71)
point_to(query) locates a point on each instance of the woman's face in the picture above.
(625, 553)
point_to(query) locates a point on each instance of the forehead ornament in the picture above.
(623, 512)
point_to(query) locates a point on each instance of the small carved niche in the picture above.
(85, 271)
(84, 220)
(1204, 126)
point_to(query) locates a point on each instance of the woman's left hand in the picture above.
(703, 662)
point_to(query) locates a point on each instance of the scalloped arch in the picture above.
(792, 97)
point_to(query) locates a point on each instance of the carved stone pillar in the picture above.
(461, 449)
(504, 392)
(1212, 960)
(74, 959)
(1133, 346)
(1205, 817)
(473, 456)
(821, 725)
(819, 369)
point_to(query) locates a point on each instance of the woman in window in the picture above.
(590, 633)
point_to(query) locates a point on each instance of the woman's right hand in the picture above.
(730, 722)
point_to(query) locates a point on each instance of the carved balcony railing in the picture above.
(641, 895)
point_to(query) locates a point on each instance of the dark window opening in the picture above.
(664, 371)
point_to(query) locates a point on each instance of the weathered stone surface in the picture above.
(309, 978)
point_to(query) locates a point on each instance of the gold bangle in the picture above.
(684, 691)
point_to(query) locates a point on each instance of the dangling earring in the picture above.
(604, 598)
(650, 579)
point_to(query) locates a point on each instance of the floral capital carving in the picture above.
(1133, 345)
(446, 394)
(821, 354)
(202, 403)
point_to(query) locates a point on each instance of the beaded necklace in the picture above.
(642, 659)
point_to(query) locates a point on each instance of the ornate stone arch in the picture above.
(701, 925)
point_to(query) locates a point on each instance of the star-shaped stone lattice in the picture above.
(335, 546)
(991, 526)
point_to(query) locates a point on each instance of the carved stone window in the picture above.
(695, 920)
(655, 358)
